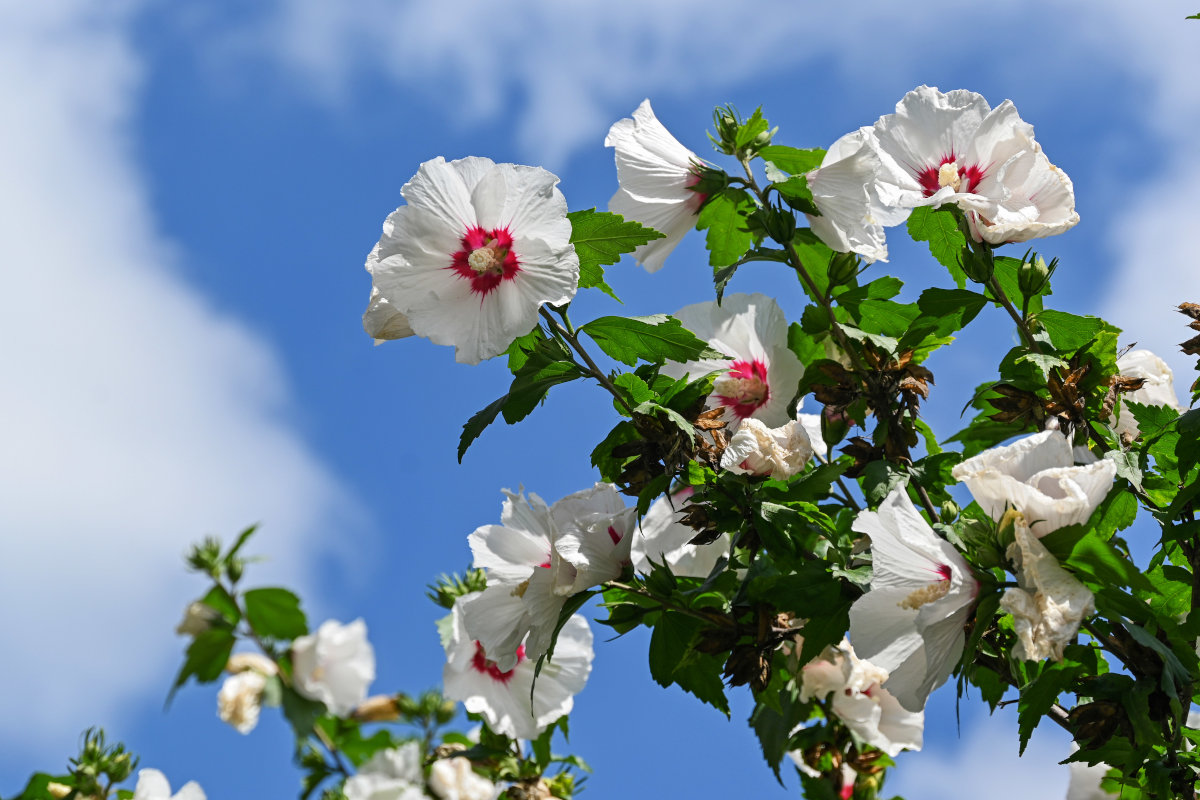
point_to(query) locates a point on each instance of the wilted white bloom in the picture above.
(756, 449)
(655, 173)
(950, 147)
(1037, 476)
(393, 774)
(241, 662)
(536, 558)
(503, 696)
(454, 779)
(662, 538)
(335, 665)
(153, 785)
(474, 254)
(1050, 603)
(240, 700)
(911, 621)
(381, 320)
(763, 375)
(1158, 389)
(847, 191)
(861, 701)
(197, 618)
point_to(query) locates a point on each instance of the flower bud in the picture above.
(949, 511)
(780, 225)
(978, 264)
(197, 618)
(709, 181)
(842, 268)
(57, 790)
(234, 569)
(379, 708)
(120, 766)
(1032, 276)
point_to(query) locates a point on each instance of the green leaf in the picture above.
(673, 661)
(1187, 449)
(879, 478)
(1127, 466)
(724, 217)
(531, 385)
(1043, 361)
(242, 538)
(946, 242)
(1069, 332)
(601, 238)
(796, 194)
(1086, 553)
(219, 600)
(792, 160)
(774, 728)
(749, 130)
(301, 712)
(275, 613)
(206, 658)
(475, 425)
(655, 339)
(824, 630)
(1040, 694)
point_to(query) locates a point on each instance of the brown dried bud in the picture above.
(447, 750)
(380, 708)
(748, 664)
(529, 789)
(1191, 347)
(1095, 722)
(1190, 309)
(716, 640)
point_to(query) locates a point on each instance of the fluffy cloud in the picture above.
(136, 417)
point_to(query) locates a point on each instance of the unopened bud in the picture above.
(119, 767)
(57, 790)
(380, 708)
(197, 618)
(779, 224)
(842, 268)
(447, 711)
(949, 511)
(1032, 276)
(978, 264)
(234, 569)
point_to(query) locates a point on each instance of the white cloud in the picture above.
(136, 418)
(986, 761)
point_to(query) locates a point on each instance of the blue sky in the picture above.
(189, 191)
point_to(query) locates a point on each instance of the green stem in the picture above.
(568, 334)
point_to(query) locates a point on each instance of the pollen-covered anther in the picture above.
(926, 594)
(487, 259)
(948, 175)
(748, 390)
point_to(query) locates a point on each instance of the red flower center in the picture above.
(744, 388)
(481, 664)
(948, 172)
(486, 258)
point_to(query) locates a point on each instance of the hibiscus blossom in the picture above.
(503, 696)
(655, 173)
(392, 774)
(335, 665)
(153, 785)
(853, 202)
(1158, 388)
(758, 450)
(470, 259)
(455, 779)
(911, 621)
(951, 147)
(662, 538)
(1037, 476)
(763, 375)
(860, 701)
(536, 558)
(1050, 604)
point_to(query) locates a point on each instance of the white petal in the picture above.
(930, 125)
(151, 785)
(382, 321)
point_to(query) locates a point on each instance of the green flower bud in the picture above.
(842, 268)
(949, 511)
(978, 264)
(1033, 275)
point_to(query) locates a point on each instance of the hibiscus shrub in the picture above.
(818, 559)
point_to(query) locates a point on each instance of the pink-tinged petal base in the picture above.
(481, 664)
(486, 259)
(744, 389)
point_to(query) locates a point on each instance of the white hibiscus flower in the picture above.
(335, 665)
(764, 373)
(1037, 476)
(455, 779)
(860, 701)
(911, 621)
(393, 774)
(853, 202)
(1158, 389)
(470, 259)
(655, 173)
(951, 147)
(1050, 604)
(240, 700)
(153, 785)
(538, 557)
(756, 449)
(662, 538)
(503, 696)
